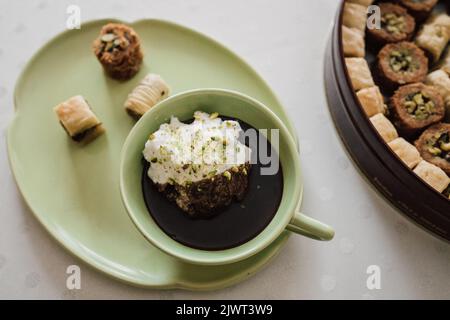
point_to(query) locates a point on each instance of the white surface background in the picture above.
(284, 41)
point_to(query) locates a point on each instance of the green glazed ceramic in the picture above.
(74, 191)
(230, 104)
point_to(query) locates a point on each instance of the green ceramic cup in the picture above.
(226, 103)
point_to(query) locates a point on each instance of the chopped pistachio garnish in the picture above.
(108, 37)
(227, 175)
(393, 23)
(154, 160)
(402, 61)
(112, 41)
(419, 105)
(214, 115)
(192, 152)
(444, 145)
(440, 147)
(434, 151)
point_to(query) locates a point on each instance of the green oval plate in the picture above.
(74, 191)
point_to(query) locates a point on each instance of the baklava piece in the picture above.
(359, 73)
(401, 63)
(355, 16)
(371, 100)
(420, 9)
(78, 120)
(151, 90)
(118, 49)
(434, 146)
(441, 82)
(201, 166)
(384, 127)
(434, 36)
(406, 152)
(396, 25)
(353, 42)
(415, 107)
(432, 175)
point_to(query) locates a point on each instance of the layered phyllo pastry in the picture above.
(415, 107)
(355, 16)
(420, 9)
(384, 127)
(440, 80)
(201, 166)
(151, 90)
(118, 49)
(78, 120)
(359, 73)
(371, 100)
(432, 175)
(353, 42)
(406, 152)
(401, 63)
(396, 25)
(434, 36)
(434, 146)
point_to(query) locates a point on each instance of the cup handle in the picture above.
(309, 227)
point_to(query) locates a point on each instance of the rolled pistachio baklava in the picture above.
(118, 49)
(396, 25)
(420, 9)
(401, 63)
(415, 107)
(434, 146)
(78, 120)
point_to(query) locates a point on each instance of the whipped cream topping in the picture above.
(183, 153)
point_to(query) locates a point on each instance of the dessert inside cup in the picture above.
(204, 181)
(190, 202)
